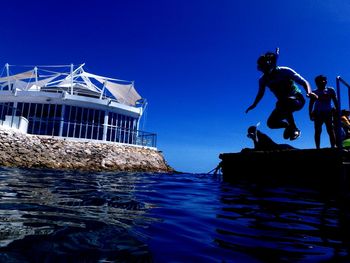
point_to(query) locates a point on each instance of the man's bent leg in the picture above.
(276, 120)
(289, 105)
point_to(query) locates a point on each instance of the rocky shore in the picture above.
(32, 151)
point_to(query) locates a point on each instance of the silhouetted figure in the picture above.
(321, 110)
(282, 82)
(262, 142)
(345, 122)
(345, 128)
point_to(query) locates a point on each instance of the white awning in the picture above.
(78, 80)
(25, 75)
(34, 85)
(20, 85)
(125, 94)
(40, 83)
(99, 78)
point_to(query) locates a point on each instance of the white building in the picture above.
(66, 101)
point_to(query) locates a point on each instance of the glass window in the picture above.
(58, 111)
(79, 114)
(52, 110)
(67, 113)
(73, 114)
(85, 115)
(38, 110)
(45, 111)
(32, 110)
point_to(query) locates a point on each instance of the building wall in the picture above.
(33, 151)
(78, 122)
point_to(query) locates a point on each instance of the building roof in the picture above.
(60, 78)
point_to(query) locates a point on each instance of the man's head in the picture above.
(267, 62)
(321, 81)
(252, 132)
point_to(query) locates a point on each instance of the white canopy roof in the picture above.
(24, 75)
(74, 81)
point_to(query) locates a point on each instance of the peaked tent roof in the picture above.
(76, 81)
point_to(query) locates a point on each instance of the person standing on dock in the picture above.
(283, 83)
(321, 110)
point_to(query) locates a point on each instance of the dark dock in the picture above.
(321, 168)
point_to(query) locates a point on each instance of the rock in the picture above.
(47, 152)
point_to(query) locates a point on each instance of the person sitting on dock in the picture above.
(262, 142)
(345, 122)
(321, 110)
(345, 128)
(282, 82)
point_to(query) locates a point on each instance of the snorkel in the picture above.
(277, 53)
(252, 131)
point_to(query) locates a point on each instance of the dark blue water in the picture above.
(60, 216)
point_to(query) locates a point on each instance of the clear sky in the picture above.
(194, 60)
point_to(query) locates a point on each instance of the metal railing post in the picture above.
(338, 113)
(340, 80)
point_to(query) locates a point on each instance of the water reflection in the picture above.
(61, 216)
(284, 224)
(57, 216)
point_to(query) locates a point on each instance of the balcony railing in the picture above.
(91, 131)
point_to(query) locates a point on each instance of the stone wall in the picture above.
(32, 151)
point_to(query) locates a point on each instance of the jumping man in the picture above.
(282, 82)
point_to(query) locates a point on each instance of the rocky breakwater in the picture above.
(32, 151)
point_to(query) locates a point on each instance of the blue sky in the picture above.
(194, 60)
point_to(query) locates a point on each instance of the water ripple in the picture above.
(67, 216)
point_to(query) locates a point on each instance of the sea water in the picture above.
(67, 216)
